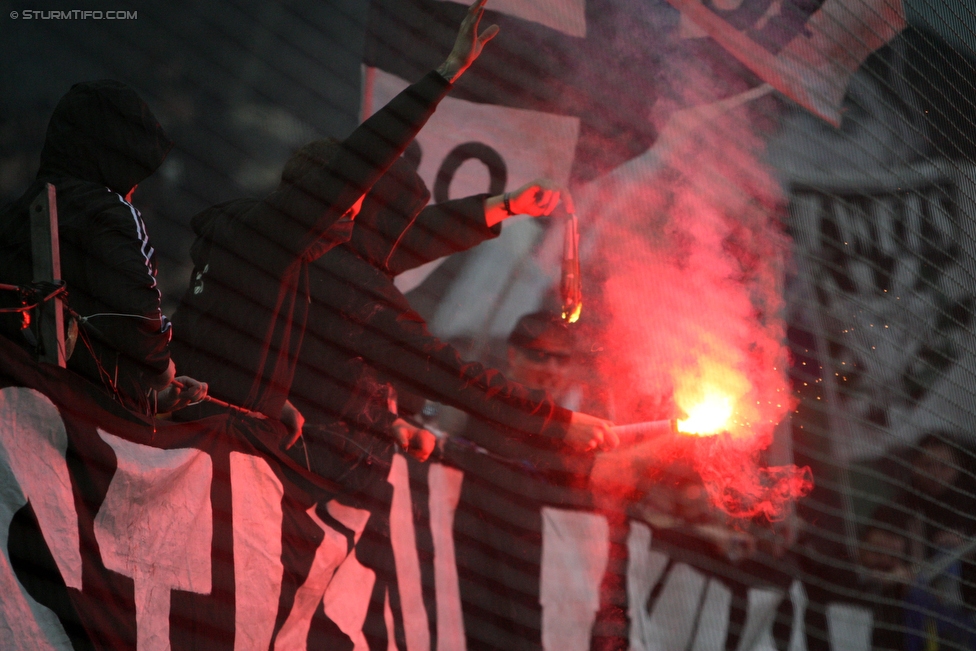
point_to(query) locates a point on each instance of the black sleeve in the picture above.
(120, 269)
(441, 230)
(395, 341)
(294, 218)
(553, 465)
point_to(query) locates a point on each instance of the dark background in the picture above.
(237, 85)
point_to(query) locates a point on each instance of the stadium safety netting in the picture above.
(776, 203)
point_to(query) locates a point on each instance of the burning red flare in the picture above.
(693, 259)
(727, 455)
(729, 465)
(713, 415)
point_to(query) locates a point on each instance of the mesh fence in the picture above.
(838, 263)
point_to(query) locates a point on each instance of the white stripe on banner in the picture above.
(713, 623)
(156, 526)
(330, 554)
(403, 536)
(346, 600)
(445, 493)
(33, 442)
(575, 550)
(849, 627)
(757, 634)
(676, 610)
(798, 637)
(644, 569)
(257, 494)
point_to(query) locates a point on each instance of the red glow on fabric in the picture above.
(692, 258)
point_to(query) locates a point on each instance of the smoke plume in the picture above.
(686, 269)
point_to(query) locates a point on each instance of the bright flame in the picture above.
(712, 415)
(715, 396)
(574, 315)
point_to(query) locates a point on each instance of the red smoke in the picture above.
(740, 486)
(692, 255)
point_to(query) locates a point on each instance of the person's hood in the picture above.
(101, 131)
(388, 211)
(204, 225)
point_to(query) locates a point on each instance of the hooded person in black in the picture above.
(366, 345)
(101, 142)
(366, 350)
(241, 322)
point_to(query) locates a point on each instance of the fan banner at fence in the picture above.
(886, 285)
(121, 535)
(136, 535)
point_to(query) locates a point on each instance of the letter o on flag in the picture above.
(497, 170)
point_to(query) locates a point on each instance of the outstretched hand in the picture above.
(468, 44)
(181, 392)
(537, 198)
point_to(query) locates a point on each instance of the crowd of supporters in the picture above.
(291, 313)
(916, 552)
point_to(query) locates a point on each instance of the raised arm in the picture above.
(311, 205)
(468, 44)
(441, 230)
(537, 198)
(458, 225)
(402, 348)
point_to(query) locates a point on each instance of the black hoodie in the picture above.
(241, 322)
(363, 334)
(101, 142)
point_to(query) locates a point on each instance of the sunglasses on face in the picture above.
(540, 356)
